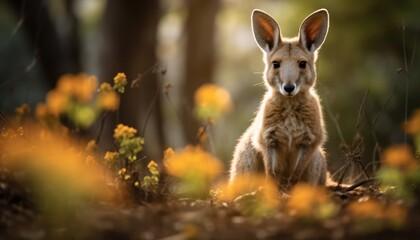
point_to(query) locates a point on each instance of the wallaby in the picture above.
(286, 137)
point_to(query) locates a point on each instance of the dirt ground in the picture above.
(183, 218)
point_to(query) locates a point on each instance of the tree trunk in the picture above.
(200, 57)
(130, 29)
(45, 42)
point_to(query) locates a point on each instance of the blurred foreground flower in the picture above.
(399, 156)
(310, 202)
(109, 100)
(211, 102)
(74, 97)
(195, 169)
(54, 168)
(372, 215)
(71, 97)
(412, 127)
(400, 172)
(253, 195)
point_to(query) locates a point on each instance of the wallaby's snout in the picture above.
(289, 88)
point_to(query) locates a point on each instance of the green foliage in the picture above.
(129, 148)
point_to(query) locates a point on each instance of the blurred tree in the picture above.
(200, 57)
(130, 29)
(56, 54)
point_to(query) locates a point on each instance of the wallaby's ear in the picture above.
(314, 29)
(266, 30)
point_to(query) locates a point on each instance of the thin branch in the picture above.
(335, 121)
(407, 73)
(173, 109)
(3, 118)
(362, 106)
(356, 185)
(155, 98)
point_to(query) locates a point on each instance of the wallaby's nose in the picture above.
(289, 88)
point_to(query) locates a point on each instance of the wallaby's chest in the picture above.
(290, 125)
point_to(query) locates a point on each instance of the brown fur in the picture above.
(286, 137)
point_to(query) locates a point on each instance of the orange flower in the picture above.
(22, 109)
(168, 153)
(249, 183)
(53, 160)
(110, 158)
(211, 101)
(399, 156)
(105, 87)
(91, 146)
(366, 209)
(193, 160)
(122, 132)
(56, 102)
(119, 82)
(80, 86)
(393, 214)
(86, 87)
(412, 126)
(109, 100)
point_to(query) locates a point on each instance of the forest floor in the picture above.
(183, 218)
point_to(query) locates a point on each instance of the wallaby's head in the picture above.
(290, 63)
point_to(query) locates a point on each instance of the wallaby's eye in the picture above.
(276, 64)
(302, 64)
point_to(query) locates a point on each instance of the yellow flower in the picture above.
(399, 156)
(168, 153)
(66, 84)
(105, 87)
(412, 126)
(120, 79)
(109, 100)
(119, 82)
(244, 184)
(22, 109)
(122, 132)
(86, 87)
(122, 171)
(110, 158)
(20, 131)
(393, 213)
(91, 146)
(80, 86)
(53, 161)
(310, 201)
(193, 160)
(56, 102)
(152, 164)
(211, 101)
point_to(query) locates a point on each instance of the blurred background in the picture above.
(367, 66)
